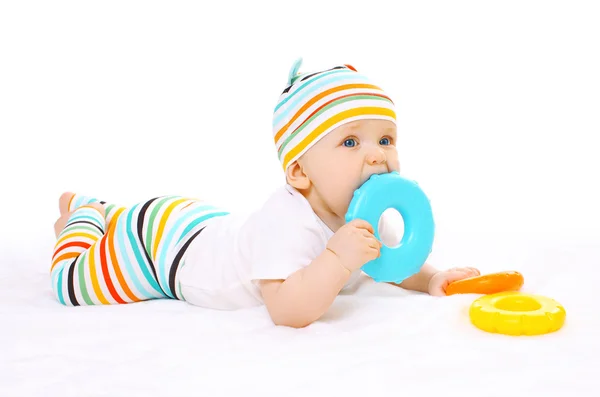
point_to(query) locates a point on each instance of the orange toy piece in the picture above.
(487, 284)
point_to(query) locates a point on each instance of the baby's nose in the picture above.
(376, 156)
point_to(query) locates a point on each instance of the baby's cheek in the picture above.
(342, 197)
(394, 164)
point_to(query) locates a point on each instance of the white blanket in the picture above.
(376, 339)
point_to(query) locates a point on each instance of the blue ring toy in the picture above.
(369, 202)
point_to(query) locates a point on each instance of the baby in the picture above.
(332, 129)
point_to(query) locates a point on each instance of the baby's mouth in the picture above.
(370, 175)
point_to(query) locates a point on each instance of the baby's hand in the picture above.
(354, 244)
(439, 282)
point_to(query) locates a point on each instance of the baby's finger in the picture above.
(362, 224)
(376, 252)
(470, 271)
(374, 241)
(474, 271)
(455, 275)
(367, 234)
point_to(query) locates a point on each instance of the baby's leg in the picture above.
(69, 202)
(97, 259)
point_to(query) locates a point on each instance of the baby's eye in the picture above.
(384, 141)
(349, 142)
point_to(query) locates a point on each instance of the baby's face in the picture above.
(345, 158)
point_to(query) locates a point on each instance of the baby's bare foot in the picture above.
(64, 201)
(60, 223)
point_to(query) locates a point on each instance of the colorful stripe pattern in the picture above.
(313, 104)
(128, 255)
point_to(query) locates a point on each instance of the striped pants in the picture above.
(127, 255)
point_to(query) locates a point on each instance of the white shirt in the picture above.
(225, 261)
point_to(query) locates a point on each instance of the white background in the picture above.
(498, 104)
(498, 114)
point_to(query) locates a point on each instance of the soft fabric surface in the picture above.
(376, 339)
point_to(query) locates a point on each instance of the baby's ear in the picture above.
(296, 176)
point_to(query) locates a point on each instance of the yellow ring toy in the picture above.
(516, 313)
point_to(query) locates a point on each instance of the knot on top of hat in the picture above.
(294, 71)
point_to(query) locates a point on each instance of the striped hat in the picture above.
(313, 104)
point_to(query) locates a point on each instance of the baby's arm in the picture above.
(419, 281)
(433, 281)
(306, 294)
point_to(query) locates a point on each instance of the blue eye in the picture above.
(384, 141)
(349, 142)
